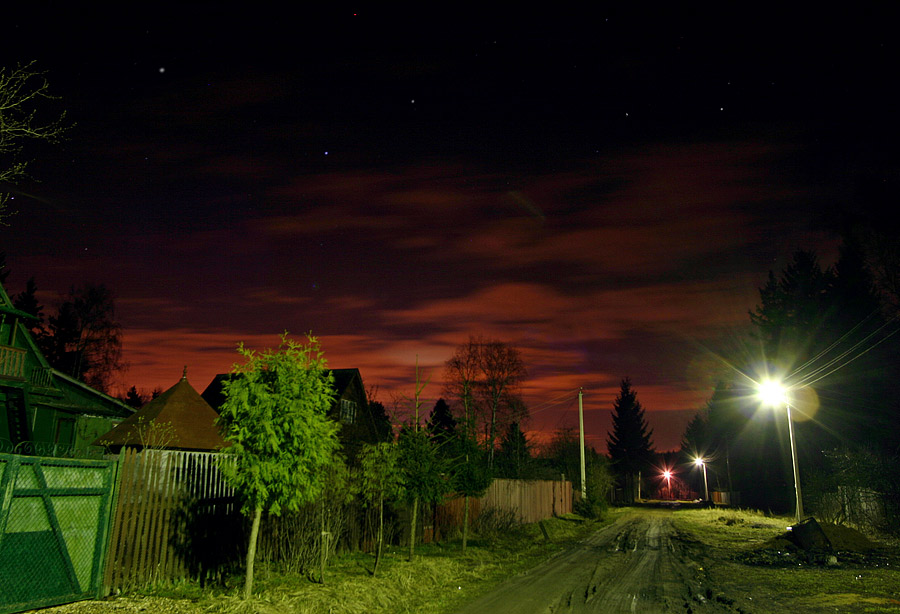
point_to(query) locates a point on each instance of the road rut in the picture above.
(638, 564)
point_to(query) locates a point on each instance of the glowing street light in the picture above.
(702, 463)
(668, 475)
(774, 393)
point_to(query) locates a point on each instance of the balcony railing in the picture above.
(12, 362)
(41, 377)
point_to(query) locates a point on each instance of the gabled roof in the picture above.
(178, 419)
(6, 306)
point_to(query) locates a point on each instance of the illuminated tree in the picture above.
(380, 479)
(422, 474)
(282, 441)
(22, 91)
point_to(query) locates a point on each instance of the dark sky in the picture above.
(605, 189)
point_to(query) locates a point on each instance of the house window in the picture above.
(348, 411)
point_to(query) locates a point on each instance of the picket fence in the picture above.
(173, 519)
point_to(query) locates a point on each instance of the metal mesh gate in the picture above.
(54, 521)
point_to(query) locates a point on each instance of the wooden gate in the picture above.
(54, 522)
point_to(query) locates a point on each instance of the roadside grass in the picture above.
(728, 538)
(440, 579)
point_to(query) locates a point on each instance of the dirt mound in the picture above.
(846, 539)
(848, 547)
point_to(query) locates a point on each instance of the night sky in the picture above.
(605, 189)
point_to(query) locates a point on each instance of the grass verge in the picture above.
(441, 578)
(865, 579)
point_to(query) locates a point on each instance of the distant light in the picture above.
(162, 69)
(698, 462)
(326, 153)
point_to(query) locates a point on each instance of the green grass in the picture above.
(440, 579)
(799, 587)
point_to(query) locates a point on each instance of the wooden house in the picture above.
(42, 410)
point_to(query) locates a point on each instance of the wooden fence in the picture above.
(528, 500)
(175, 518)
(531, 500)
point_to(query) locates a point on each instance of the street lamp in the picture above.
(774, 393)
(702, 463)
(668, 475)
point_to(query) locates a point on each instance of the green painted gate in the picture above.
(54, 522)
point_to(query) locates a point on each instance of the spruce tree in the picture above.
(629, 444)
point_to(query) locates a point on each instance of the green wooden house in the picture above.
(44, 411)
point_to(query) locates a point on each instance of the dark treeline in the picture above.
(830, 334)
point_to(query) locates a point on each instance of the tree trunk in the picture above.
(323, 537)
(466, 523)
(251, 552)
(412, 527)
(380, 538)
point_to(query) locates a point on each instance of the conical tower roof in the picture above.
(178, 419)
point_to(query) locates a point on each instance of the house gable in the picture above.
(41, 409)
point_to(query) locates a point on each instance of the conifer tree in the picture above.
(630, 446)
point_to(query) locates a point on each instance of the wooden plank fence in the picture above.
(528, 500)
(172, 516)
(176, 518)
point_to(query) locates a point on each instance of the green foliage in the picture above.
(563, 456)
(421, 468)
(380, 476)
(470, 474)
(274, 416)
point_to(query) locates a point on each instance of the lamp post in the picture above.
(702, 463)
(668, 475)
(774, 393)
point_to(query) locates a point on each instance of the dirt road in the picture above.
(638, 564)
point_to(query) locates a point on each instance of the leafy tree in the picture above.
(514, 457)
(22, 92)
(485, 375)
(282, 441)
(470, 476)
(563, 455)
(630, 446)
(380, 479)
(422, 471)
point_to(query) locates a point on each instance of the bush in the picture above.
(492, 523)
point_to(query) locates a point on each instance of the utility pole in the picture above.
(581, 433)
